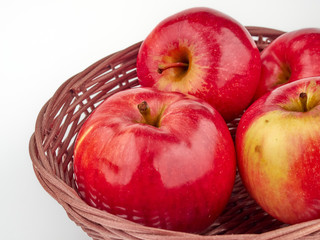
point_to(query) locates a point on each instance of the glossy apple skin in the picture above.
(278, 152)
(224, 62)
(293, 55)
(177, 176)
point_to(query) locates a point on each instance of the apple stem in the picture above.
(303, 97)
(164, 66)
(144, 110)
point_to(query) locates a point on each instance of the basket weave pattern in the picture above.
(51, 151)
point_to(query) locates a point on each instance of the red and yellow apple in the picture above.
(204, 53)
(278, 146)
(160, 159)
(293, 55)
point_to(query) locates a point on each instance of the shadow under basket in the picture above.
(51, 151)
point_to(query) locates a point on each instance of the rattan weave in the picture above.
(51, 151)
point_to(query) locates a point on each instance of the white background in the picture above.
(43, 43)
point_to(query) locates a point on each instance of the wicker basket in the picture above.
(51, 151)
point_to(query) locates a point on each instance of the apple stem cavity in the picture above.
(303, 97)
(144, 110)
(284, 76)
(164, 66)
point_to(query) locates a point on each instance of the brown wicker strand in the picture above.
(293, 232)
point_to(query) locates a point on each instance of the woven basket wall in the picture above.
(51, 151)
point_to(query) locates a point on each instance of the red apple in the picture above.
(278, 146)
(204, 53)
(170, 163)
(292, 56)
